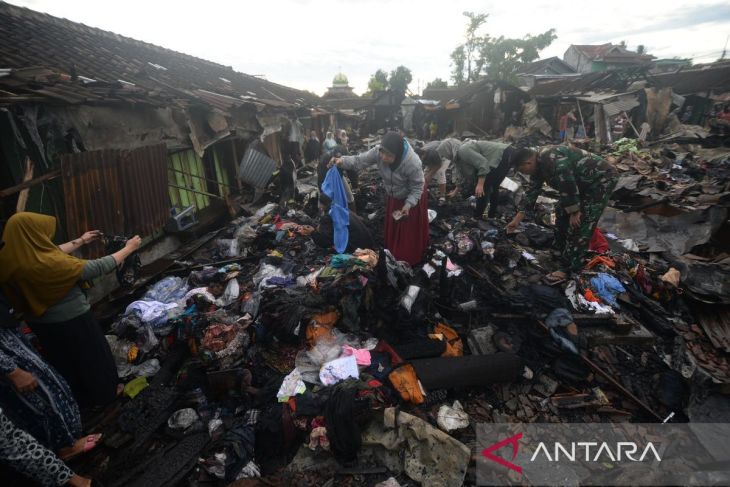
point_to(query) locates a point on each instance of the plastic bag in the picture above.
(182, 419)
(452, 418)
(308, 370)
(228, 247)
(265, 211)
(147, 368)
(265, 272)
(252, 305)
(147, 340)
(327, 348)
(410, 297)
(245, 234)
(168, 290)
(230, 295)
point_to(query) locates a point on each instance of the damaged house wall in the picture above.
(120, 97)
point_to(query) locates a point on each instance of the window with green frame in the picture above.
(221, 175)
(188, 186)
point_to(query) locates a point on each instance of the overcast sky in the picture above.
(303, 43)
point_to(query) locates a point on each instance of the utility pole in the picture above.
(724, 49)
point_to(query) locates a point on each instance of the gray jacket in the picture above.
(404, 183)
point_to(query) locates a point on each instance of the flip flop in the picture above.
(90, 442)
(552, 280)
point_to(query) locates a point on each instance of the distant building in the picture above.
(340, 88)
(604, 57)
(670, 65)
(543, 70)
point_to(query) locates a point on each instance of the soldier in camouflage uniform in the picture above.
(585, 182)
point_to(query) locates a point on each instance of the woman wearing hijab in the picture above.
(329, 142)
(41, 281)
(406, 205)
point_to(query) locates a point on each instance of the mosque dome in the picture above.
(340, 80)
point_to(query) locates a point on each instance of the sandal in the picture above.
(555, 278)
(89, 443)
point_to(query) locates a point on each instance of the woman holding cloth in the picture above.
(41, 281)
(406, 204)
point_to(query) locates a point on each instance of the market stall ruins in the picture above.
(248, 351)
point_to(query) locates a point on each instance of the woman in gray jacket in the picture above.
(406, 205)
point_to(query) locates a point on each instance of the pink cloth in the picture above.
(362, 356)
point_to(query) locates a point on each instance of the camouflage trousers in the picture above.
(573, 242)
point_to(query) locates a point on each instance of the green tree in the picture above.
(640, 49)
(437, 83)
(400, 78)
(497, 58)
(458, 61)
(378, 81)
(464, 55)
(500, 58)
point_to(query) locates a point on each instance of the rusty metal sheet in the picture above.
(119, 192)
(144, 180)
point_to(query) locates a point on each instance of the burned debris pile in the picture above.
(266, 355)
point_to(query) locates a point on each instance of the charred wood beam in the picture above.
(4, 193)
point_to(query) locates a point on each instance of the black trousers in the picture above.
(78, 350)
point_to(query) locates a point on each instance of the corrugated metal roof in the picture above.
(36, 39)
(625, 104)
(256, 168)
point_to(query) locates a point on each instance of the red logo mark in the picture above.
(512, 440)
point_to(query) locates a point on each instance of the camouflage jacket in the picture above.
(575, 173)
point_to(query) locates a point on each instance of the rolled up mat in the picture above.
(468, 371)
(419, 349)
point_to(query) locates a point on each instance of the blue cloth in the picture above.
(334, 189)
(607, 287)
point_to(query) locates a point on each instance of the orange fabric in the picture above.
(405, 381)
(591, 297)
(454, 345)
(316, 332)
(34, 273)
(321, 327)
(601, 259)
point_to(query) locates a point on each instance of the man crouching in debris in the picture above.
(585, 182)
(484, 164)
(406, 206)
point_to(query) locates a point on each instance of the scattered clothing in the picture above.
(361, 356)
(607, 287)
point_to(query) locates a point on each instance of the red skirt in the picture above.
(407, 239)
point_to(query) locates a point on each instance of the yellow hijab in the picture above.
(34, 273)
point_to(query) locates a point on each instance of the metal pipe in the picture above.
(613, 381)
(195, 191)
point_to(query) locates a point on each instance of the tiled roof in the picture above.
(611, 52)
(33, 39)
(593, 50)
(554, 65)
